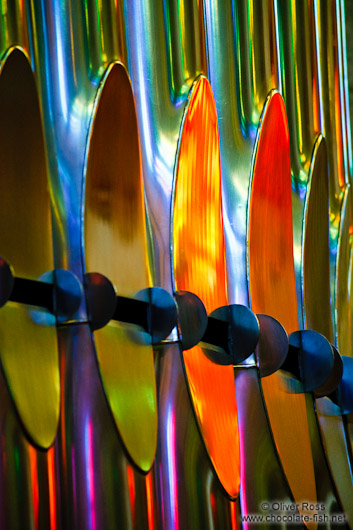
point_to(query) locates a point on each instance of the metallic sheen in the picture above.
(115, 245)
(29, 353)
(316, 275)
(199, 266)
(273, 292)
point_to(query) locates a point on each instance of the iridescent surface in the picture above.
(115, 245)
(162, 67)
(270, 237)
(262, 478)
(337, 451)
(198, 501)
(199, 266)
(98, 487)
(27, 476)
(244, 33)
(272, 289)
(325, 485)
(28, 351)
(344, 278)
(246, 47)
(316, 278)
(318, 315)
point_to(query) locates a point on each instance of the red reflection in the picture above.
(149, 497)
(132, 491)
(273, 290)
(34, 480)
(199, 266)
(51, 481)
(271, 262)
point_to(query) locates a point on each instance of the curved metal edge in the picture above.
(267, 103)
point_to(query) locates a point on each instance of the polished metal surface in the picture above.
(325, 483)
(262, 477)
(270, 234)
(197, 501)
(273, 291)
(235, 330)
(97, 485)
(315, 357)
(101, 299)
(28, 351)
(28, 476)
(316, 279)
(335, 377)
(162, 67)
(115, 245)
(246, 48)
(162, 312)
(242, 33)
(344, 397)
(337, 451)
(192, 318)
(344, 277)
(6, 281)
(272, 348)
(198, 257)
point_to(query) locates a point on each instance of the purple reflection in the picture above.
(90, 472)
(171, 460)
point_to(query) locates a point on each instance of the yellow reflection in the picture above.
(115, 245)
(344, 278)
(199, 266)
(28, 351)
(316, 273)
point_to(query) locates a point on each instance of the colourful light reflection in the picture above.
(273, 291)
(171, 456)
(271, 262)
(32, 453)
(115, 244)
(51, 484)
(90, 474)
(233, 516)
(199, 266)
(338, 124)
(132, 492)
(149, 499)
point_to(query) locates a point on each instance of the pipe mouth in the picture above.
(115, 245)
(29, 354)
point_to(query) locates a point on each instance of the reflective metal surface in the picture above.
(262, 477)
(28, 350)
(192, 318)
(243, 33)
(336, 451)
(316, 279)
(270, 235)
(246, 48)
(272, 348)
(272, 289)
(325, 485)
(344, 277)
(162, 67)
(199, 266)
(315, 358)
(198, 501)
(98, 486)
(235, 330)
(115, 245)
(317, 312)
